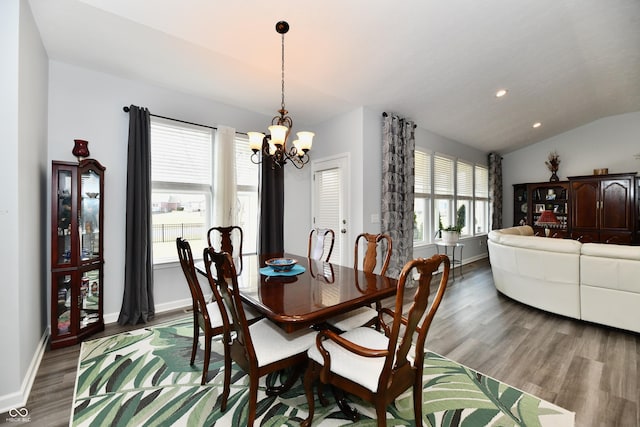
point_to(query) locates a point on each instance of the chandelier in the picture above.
(274, 145)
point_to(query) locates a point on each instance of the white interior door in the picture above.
(329, 203)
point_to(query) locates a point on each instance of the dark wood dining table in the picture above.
(322, 291)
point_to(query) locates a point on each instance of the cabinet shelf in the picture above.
(532, 198)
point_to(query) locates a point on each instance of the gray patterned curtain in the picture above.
(137, 301)
(495, 190)
(398, 152)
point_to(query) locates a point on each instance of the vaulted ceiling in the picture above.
(564, 63)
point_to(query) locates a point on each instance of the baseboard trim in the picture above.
(19, 399)
(160, 308)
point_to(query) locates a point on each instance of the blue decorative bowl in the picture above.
(281, 264)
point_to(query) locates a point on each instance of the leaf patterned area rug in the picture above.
(143, 378)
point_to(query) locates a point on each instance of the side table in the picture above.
(452, 257)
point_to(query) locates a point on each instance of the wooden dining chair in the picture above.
(206, 315)
(227, 239)
(379, 367)
(260, 348)
(365, 315)
(321, 242)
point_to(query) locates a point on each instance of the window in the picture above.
(422, 195)
(464, 195)
(182, 192)
(481, 195)
(443, 191)
(247, 187)
(444, 187)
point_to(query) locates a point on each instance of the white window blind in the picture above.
(482, 182)
(422, 172)
(465, 179)
(443, 176)
(246, 171)
(190, 163)
(329, 192)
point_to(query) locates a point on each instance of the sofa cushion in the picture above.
(522, 230)
(610, 266)
(542, 244)
(611, 251)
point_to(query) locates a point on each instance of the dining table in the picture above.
(308, 295)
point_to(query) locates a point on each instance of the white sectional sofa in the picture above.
(591, 281)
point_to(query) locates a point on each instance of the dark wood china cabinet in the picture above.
(604, 208)
(76, 251)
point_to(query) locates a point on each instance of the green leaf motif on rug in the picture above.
(143, 378)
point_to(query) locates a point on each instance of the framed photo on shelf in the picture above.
(539, 207)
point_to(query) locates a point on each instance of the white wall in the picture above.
(611, 142)
(86, 104)
(9, 45)
(23, 310)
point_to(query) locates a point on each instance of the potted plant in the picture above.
(451, 234)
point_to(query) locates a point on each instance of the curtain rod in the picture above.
(126, 110)
(384, 114)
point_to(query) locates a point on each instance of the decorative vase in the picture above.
(450, 237)
(80, 149)
(554, 177)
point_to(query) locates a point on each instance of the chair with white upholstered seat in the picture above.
(206, 316)
(258, 349)
(379, 367)
(365, 315)
(320, 245)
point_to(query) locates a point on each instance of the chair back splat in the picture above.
(387, 364)
(227, 239)
(370, 260)
(321, 242)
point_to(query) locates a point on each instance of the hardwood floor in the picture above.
(589, 369)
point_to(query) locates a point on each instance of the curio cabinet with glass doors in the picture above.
(76, 251)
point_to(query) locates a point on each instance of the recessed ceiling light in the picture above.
(536, 125)
(501, 93)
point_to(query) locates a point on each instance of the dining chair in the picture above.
(365, 315)
(379, 367)
(321, 242)
(206, 316)
(227, 239)
(260, 348)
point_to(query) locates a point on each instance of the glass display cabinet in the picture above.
(76, 251)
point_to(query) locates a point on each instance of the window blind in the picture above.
(329, 190)
(422, 172)
(246, 171)
(482, 182)
(443, 176)
(180, 154)
(465, 179)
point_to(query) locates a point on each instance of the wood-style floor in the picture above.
(589, 369)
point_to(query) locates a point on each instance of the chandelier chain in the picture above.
(282, 102)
